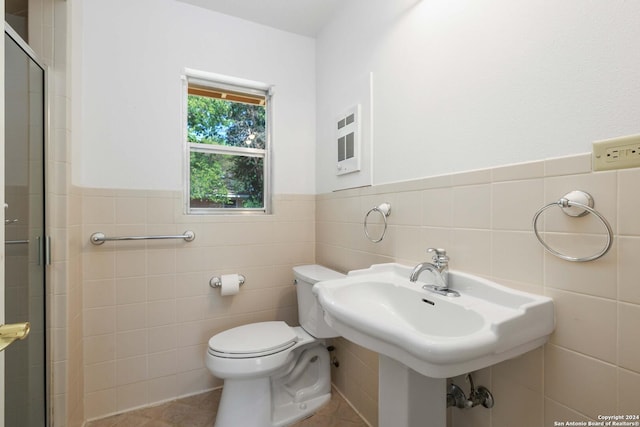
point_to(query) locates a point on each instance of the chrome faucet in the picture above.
(440, 269)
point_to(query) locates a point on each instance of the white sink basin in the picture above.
(437, 336)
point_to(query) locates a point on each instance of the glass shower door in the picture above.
(25, 384)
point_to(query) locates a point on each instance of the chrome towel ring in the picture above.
(384, 209)
(575, 203)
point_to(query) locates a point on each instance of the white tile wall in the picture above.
(148, 308)
(483, 218)
(48, 37)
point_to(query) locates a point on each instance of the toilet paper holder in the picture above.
(216, 282)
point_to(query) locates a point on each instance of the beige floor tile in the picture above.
(200, 411)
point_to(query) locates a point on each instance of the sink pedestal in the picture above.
(409, 399)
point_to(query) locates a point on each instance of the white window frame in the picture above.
(219, 81)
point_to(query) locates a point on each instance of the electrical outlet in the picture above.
(616, 153)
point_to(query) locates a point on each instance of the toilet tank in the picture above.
(309, 311)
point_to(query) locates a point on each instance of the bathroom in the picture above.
(473, 116)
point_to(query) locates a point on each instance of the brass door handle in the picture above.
(12, 332)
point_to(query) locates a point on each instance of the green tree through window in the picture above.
(227, 136)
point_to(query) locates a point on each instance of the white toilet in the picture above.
(275, 374)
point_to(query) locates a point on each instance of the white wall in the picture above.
(461, 85)
(127, 125)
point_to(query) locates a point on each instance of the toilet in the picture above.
(275, 374)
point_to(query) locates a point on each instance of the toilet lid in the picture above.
(254, 339)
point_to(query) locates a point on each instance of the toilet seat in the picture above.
(266, 338)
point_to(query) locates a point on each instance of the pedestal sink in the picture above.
(423, 337)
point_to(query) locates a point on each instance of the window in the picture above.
(227, 139)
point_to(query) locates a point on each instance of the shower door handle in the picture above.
(12, 332)
(44, 250)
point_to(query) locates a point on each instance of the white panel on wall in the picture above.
(348, 141)
(132, 55)
(353, 96)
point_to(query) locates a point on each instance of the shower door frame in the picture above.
(45, 255)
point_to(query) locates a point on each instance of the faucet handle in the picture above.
(440, 255)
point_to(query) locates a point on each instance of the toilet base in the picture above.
(294, 412)
(281, 400)
(253, 408)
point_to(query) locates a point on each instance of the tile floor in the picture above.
(200, 411)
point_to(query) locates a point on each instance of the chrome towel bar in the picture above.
(99, 237)
(15, 242)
